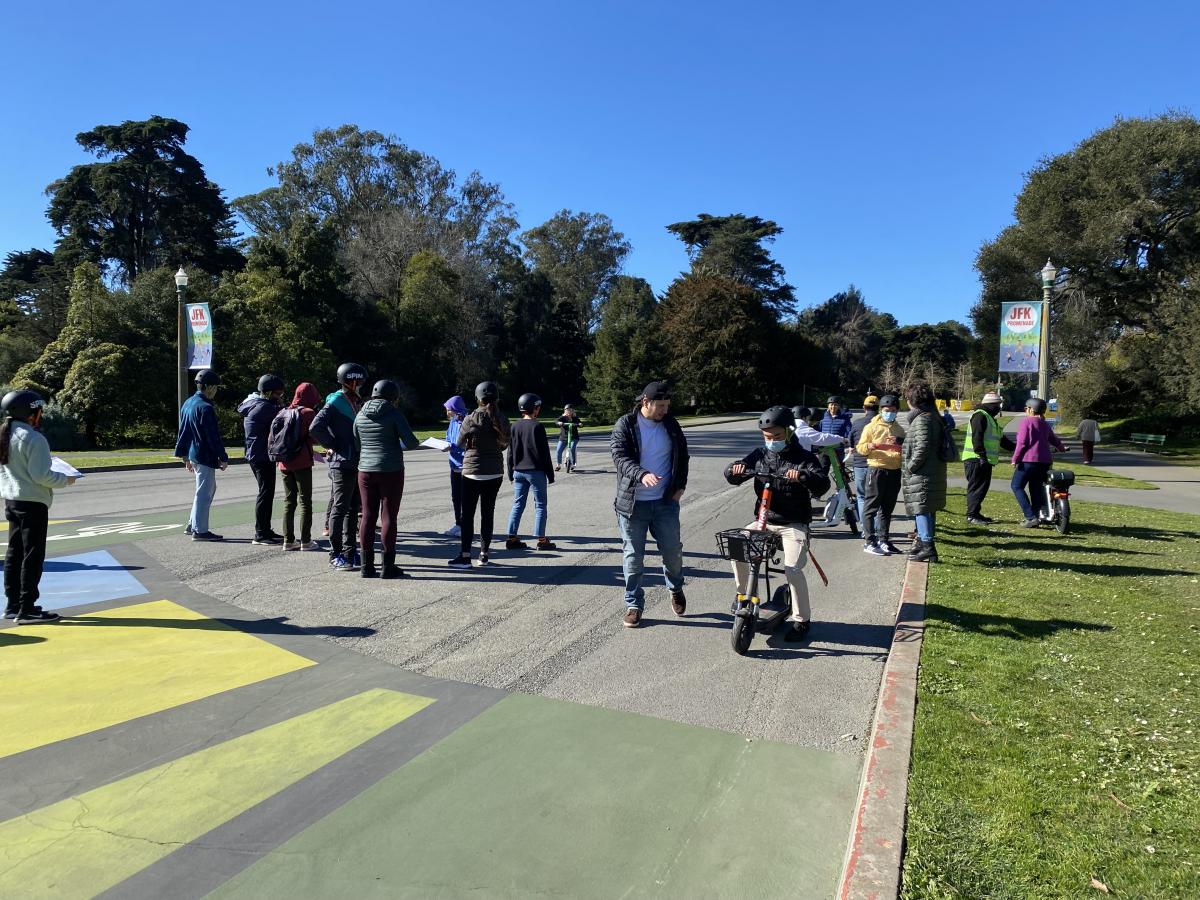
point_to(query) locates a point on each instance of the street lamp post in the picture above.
(181, 281)
(1049, 273)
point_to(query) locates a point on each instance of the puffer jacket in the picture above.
(333, 429)
(484, 443)
(382, 434)
(257, 413)
(923, 473)
(626, 448)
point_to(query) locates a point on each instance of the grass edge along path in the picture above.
(1056, 749)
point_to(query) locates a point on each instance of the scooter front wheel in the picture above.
(743, 634)
(1062, 515)
(852, 519)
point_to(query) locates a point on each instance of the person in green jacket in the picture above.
(27, 484)
(923, 469)
(381, 435)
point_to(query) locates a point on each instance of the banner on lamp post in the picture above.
(200, 336)
(1020, 336)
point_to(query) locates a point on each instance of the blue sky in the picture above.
(889, 140)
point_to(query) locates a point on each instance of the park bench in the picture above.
(1145, 441)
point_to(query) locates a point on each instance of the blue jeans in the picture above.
(661, 519)
(1030, 477)
(860, 489)
(926, 522)
(523, 483)
(570, 448)
(206, 489)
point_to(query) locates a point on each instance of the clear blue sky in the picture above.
(887, 139)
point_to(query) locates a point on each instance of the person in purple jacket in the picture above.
(1032, 459)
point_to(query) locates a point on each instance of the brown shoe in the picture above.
(633, 617)
(678, 602)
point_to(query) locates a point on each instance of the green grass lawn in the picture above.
(1057, 723)
(1084, 475)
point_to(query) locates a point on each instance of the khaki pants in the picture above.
(795, 556)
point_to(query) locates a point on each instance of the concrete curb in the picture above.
(876, 850)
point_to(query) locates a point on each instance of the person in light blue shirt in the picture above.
(456, 411)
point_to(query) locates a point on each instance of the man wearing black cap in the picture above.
(651, 457)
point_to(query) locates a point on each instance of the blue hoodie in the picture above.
(257, 413)
(333, 429)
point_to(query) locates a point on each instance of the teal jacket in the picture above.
(28, 476)
(381, 435)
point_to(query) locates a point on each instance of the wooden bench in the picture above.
(1145, 441)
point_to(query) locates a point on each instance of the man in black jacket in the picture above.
(799, 477)
(258, 411)
(651, 457)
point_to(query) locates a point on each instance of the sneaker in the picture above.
(515, 544)
(558, 468)
(546, 544)
(678, 603)
(822, 523)
(874, 549)
(10, 615)
(206, 536)
(633, 618)
(355, 559)
(976, 520)
(452, 531)
(892, 549)
(1029, 523)
(482, 562)
(36, 616)
(310, 545)
(291, 545)
(187, 529)
(460, 562)
(267, 541)
(339, 563)
(796, 633)
(986, 520)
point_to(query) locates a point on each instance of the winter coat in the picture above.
(333, 429)
(484, 443)
(27, 475)
(381, 435)
(529, 450)
(841, 424)
(1034, 437)
(305, 399)
(857, 460)
(626, 448)
(791, 501)
(257, 414)
(923, 472)
(199, 435)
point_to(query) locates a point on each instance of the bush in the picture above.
(63, 430)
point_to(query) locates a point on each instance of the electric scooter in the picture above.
(835, 509)
(1056, 509)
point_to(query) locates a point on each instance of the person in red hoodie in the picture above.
(297, 474)
(1032, 460)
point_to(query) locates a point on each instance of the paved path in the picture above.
(234, 718)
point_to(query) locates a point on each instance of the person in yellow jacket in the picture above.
(880, 444)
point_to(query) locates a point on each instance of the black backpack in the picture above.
(285, 439)
(946, 449)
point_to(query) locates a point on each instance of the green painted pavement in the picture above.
(541, 797)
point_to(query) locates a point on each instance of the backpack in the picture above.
(946, 451)
(285, 439)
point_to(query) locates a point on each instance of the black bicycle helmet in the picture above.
(528, 402)
(207, 378)
(21, 405)
(487, 392)
(834, 399)
(269, 383)
(776, 417)
(351, 372)
(889, 400)
(801, 413)
(386, 389)
(1037, 404)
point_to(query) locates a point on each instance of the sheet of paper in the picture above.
(57, 464)
(435, 444)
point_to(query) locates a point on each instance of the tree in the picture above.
(625, 355)
(580, 253)
(147, 204)
(97, 383)
(851, 335)
(732, 246)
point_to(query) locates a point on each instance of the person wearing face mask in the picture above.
(879, 445)
(333, 429)
(791, 505)
(981, 452)
(858, 462)
(200, 446)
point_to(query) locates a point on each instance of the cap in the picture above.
(991, 397)
(656, 390)
(870, 400)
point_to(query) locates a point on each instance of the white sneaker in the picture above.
(291, 545)
(452, 531)
(310, 545)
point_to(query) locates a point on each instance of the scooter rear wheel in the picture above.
(743, 634)
(852, 519)
(1062, 515)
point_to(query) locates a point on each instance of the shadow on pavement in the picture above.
(274, 626)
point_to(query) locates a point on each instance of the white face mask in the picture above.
(775, 446)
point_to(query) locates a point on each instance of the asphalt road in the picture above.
(550, 624)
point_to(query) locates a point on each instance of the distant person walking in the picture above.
(530, 471)
(200, 446)
(298, 471)
(484, 436)
(456, 411)
(923, 465)
(27, 484)
(568, 437)
(258, 411)
(333, 429)
(1032, 459)
(651, 457)
(1089, 437)
(981, 452)
(382, 434)
(880, 447)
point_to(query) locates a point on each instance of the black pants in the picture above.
(481, 494)
(979, 479)
(344, 507)
(297, 486)
(27, 523)
(883, 487)
(264, 474)
(456, 481)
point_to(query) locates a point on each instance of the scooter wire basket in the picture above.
(745, 545)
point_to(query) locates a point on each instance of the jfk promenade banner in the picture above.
(1020, 336)
(200, 336)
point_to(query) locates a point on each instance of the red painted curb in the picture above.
(876, 849)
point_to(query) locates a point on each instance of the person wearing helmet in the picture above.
(530, 470)
(858, 462)
(200, 447)
(456, 411)
(484, 435)
(811, 439)
(782, 456)
(879, 445)
(1032, 459)
(381, 434)
(837, 419)
(258, 410)
(333, 429)
(27, 483)
(568, 437)
(650, 454)
(981, 453)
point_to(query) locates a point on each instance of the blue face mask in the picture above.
(775, 446)
(888, 417)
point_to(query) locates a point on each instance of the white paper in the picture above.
(57, 464)
(435, 444)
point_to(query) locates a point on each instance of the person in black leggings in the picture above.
(484, 436)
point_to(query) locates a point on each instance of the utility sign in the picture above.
(1020, 336)
(200, 336)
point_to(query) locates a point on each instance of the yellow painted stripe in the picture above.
(91, 842)
(103, 668)
(4, 525)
